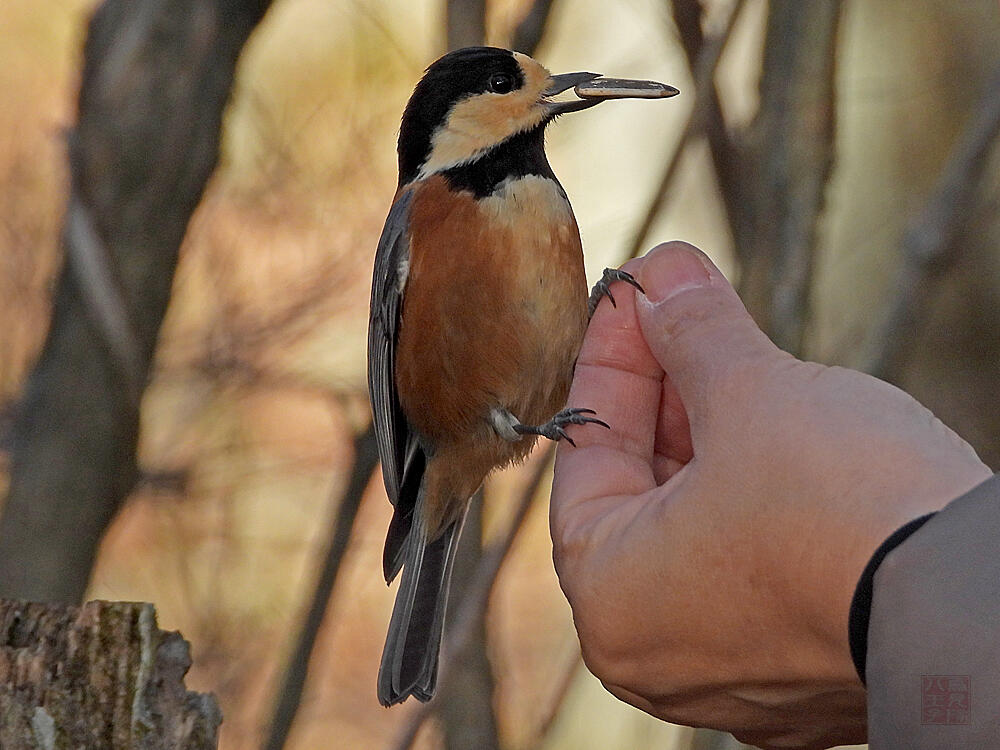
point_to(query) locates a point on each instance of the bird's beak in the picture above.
(593, 89)
(561, 83)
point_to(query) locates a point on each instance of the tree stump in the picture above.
(98, 676)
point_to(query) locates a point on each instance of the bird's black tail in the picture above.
(410, 657)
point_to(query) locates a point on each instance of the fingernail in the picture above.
(669, 270)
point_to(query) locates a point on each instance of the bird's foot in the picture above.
(603, 287)
(554, 428)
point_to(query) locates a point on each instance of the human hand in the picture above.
(710, 542)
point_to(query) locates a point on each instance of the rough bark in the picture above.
(156, 78)
(97, 676)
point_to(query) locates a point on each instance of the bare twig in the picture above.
(562, 686)
(165, 481)
(704, 72)
(304, 306)
(789, 158)
(688, 15)
(529, 32)
(290, 694)
(928, 244)
(472, 606)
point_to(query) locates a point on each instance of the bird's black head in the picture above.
(468, 102)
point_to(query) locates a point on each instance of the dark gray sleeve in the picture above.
(933, 666)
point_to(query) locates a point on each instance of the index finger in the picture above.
(618, 377)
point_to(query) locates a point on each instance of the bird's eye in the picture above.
(501, 83)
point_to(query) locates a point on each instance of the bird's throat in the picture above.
(521, 155)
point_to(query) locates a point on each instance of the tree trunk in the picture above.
(97, 676)
(156, 78)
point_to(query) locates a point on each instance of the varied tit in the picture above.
(479, 304)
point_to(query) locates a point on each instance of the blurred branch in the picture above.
(474, 603)
(222, 366)
(305, 309)
(465, 23)
(688, 16)
(562, 686)
(465, 705)
(773, 178)
(294, 680)
(529, 32)
(704, 72)
(103, 298)
(929, 242)
(789, 151)
(101, 676)
(156, 78)
(8, 410)
(165, 481)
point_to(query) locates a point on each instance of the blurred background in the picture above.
(834, 158)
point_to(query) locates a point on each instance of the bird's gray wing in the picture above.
(392, 433)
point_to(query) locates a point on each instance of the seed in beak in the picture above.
(624, 88)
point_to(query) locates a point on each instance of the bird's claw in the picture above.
(603, 287)
(554, 428)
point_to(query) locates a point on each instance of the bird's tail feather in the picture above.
(410, 657)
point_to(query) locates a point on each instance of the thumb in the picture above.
(694, 323)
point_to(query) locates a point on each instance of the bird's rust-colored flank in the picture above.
(507, 270)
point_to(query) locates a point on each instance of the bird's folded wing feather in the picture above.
(391, 430)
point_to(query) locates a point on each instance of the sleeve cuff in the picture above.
(861, 603)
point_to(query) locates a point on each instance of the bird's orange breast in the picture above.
(494, 311)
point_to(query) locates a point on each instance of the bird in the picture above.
(478, 308)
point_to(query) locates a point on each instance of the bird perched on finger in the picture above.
(479, 305)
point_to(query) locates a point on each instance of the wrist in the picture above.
(861, 604)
